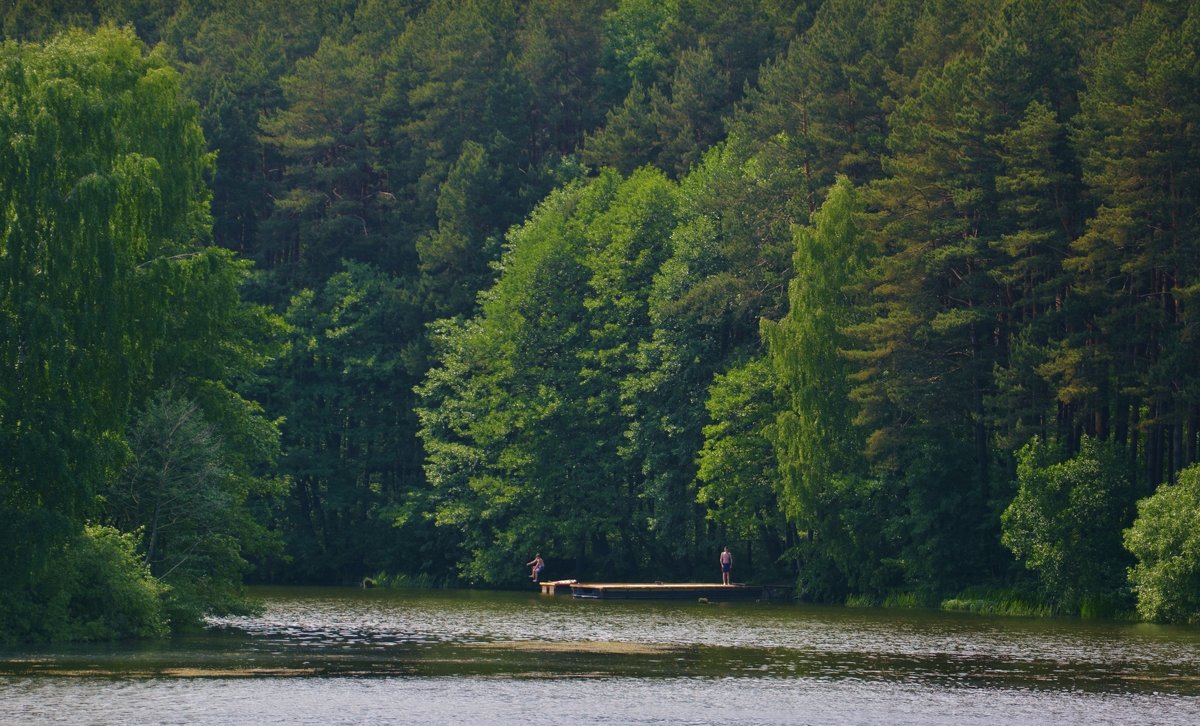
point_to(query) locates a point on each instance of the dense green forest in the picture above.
(893, 297)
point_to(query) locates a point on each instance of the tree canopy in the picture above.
(893, 297)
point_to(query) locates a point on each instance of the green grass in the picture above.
(1001, 601)
(985, 601)
(404, 582)
(900, 600)
(860, 601)
(904, 600)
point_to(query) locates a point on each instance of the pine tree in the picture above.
(1135, 265)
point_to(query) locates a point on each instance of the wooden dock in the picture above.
(664, 591)
(555, 587)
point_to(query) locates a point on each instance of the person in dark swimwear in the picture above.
(726, 565)
(538, 565)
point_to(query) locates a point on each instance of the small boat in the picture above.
(664, 591)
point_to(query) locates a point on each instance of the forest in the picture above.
(892, 297)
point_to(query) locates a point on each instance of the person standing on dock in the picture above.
(726, 565)
(538, 565)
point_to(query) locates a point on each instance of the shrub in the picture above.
(1165, 540)
(1066, 519)
(95, 587)
(112, 593)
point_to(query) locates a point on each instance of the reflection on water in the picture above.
(352, 656)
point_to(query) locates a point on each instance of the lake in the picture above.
(339, 655)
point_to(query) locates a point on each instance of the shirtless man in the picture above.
(538, 565)
(726, 565)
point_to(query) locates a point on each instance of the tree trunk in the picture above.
(1177, 445)
(153, 541)
(1154, 449)
(1193, 425)
(1134, 436)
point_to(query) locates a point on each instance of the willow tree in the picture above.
(103, 210)
(101, 171)
(817, 444)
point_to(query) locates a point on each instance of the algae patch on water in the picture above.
(189, 672)
(597, 647)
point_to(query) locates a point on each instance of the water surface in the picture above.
(359, 656)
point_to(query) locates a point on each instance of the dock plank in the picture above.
(664, 590)
(552, 587)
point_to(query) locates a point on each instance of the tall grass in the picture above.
(404, 582)
(891, 600)
(989, 601)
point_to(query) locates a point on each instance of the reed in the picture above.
(992, 601)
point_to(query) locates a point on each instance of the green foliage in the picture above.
(183, 492)
(814, 437)
(738, 479)
(822, 106)
(993, 601)
(523, 419)
(331, 205)
(477, 427)
(1135, 265)
(994, 281)
(344, 385)
(966, 224)
(456, 258)
(1065, 521)
(112, 594)
(680, 68)
(560, 50)
(815, 441)
(1041, 196)
(1165, 539)
(939, 532)
(713, 281)
(40, 20)
(671, 129)
(101, 189)
(636, 38)
(907, 600)
(452, 78)
(107, 293)
(95, 586)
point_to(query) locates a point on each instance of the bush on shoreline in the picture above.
(1165, 539)
(95, 587)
